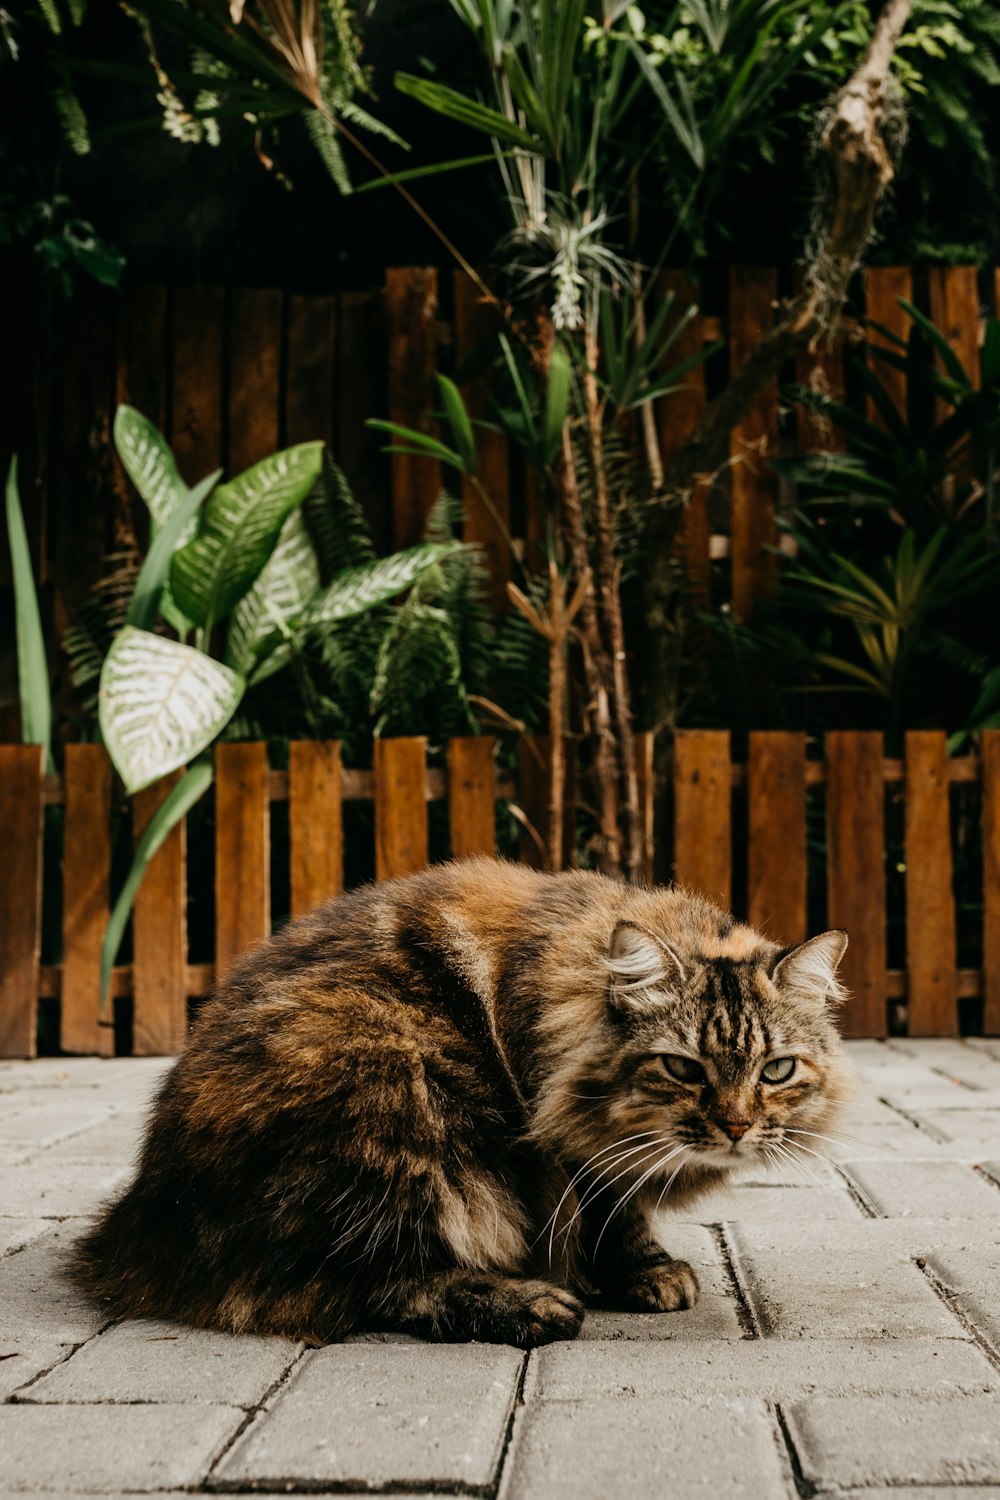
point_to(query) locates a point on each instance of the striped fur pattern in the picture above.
(448, 1104)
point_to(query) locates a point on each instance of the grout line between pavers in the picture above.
(731, 1270)
(518, 1404)
(991, 1177)
(916, 1122)
(254, 1412)
(803, 1487)
(954, 1305)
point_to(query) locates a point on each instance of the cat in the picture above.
(451, 1103)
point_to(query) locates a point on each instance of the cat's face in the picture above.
(726, 1062)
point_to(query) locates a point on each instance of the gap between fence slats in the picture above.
(315, 823)
(411, 319)
(776, 802)
(930, 901)
(855, 820)
(703, 813)
(401, 843)
(21, 827)
(991, 881)
(471, 806)
(242, 850)
(159, 934)
(254, 375)
(86, 899)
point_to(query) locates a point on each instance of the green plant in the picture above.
(32, 666)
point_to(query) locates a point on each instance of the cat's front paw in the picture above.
(666, 1286)
(538, 1312)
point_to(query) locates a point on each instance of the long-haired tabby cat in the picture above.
(452, 1103)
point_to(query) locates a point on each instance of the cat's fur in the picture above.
(385, 1116)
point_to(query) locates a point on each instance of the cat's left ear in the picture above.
(810, 969)
(639, 962)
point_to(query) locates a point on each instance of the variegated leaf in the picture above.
(239, 526)
(161, 704)
(358, 589)
(281, 594)
(149, 464)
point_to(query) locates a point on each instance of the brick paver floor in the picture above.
(847, 1342)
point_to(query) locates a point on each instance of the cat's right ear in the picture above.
(640, 965)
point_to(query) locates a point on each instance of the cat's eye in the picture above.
(684, 1069)
(778, 1070)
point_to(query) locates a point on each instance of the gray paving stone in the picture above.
(972, 1277)
(359, 1414)
(758, 1202)
(91, 1449)
(887, 1139)
(942, 1094)
(36, 1300)
(965, 1060)
(117, 1139)
(928, 1190)
(891, 1240)
(923, 1492)
(41, 1124)
(978, 1128)
(769, 1369)
(714, 1316)
(840, 1293)
(17, 1232)
(23, 1358)
(57, 1191)
(146, 1361)
(634, 1450)
(846, 1440)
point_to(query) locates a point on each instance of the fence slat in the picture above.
(475, 321)
(315, 823)
(884, 285)
(142, 351)
(776, 802)
(254, 375)
(954, 306)
(401, 846)
(676, 417)
(645, 766)
(471, 797)
(703, 813)
(360, 387)
(196, 387)
(855, 810)
(309, 387)
(21, 814)
(411, 317)
(533, 798)
(86, 891)
(159, 935)
(991, 882)
(931, 962)
(242, 850)
(819, 369)
(753, 444)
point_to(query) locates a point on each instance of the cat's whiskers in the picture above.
(612, 1146)
(872, 1207)
(780, 1154)
(840, 1140)
(600, 1183)
(656, 1167)
(664, 1190)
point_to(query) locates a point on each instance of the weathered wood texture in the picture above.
(855, 851)
(86, 894)
(776, 836)
(400, 807)
(470, 797)
(315, 823)
(991, 882)
(930, 901)
(703, 813)
(159, 935)
(884, 287)
(21, 815)
(242, 851)
(411, 316)
(754, 443)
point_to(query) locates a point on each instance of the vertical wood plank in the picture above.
(475, 321)
(954, 307)
(884, 285)
(645, 765)
(242, 850)
(142, 352)
(703, 813)
(411, 319)
(533, 798)
(931, 961)
(21, 811)
(471, 796)
(776, 856)
(309, 366)
(819, 369)
(254, 375)
(676, 417)
(159, 935)
(86, 898)
(315, 822)
(753, 444)
(855, 809)
(991, 881)
(196, 380)
(360, 386)
(401, 846)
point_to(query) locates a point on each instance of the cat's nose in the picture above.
(735, 1129)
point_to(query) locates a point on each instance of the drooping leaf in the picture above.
(176, 805)
(32, 666)
(356, 590)
(458, 421)
(161, 704)
(239, 527)
(465, 111)
(281, 593)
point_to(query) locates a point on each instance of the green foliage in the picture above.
(32, 667)
(64, 245)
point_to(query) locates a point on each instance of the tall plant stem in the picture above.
(610, 608)
(557, 718)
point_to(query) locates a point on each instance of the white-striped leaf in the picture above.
(281, 593)
(357, 589)
(239, 526)
(161, 704)
(149, 464)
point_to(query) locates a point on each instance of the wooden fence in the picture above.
(232, 374)
(734, 825)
